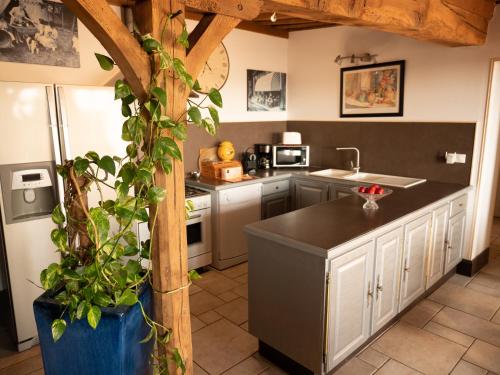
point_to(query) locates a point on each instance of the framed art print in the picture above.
(372, 90)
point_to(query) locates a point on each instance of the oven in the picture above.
(290, 156)
(199, 238)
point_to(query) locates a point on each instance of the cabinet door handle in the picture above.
(380, 289)
(406, 269)
(370, 293)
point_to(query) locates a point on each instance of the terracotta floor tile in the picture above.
(467, 368)
(236, 271)
(356, 366)
(466, 300)
(486, 279)
(449, 334)
(196, 324)
(244, 326)
(228, 296)
(209, 317)
(422, 313)
(469, 325)
(393, 367)
(203, 301)
(194, 289)
(250, 366)
(493, 267)
(243, 279)
(481, 288)
(215, 282)
(373, 357)
(484, 355)
(222, 345)
(496, 318)
(198, 370)
(459, 279)
(236, 311)
(273, 370)
(242, 290)
(419, 349)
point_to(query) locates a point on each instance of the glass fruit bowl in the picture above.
(371, 199)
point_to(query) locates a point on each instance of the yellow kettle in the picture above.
(226, 151)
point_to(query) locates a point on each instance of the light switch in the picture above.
(453, 157)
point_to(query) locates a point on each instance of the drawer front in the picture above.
(458, 205)
(275, 187)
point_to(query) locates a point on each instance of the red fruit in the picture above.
(379, 190)
(372, 190)
(362, 189)
(375, 185)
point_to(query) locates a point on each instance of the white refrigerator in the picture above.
(41, 125)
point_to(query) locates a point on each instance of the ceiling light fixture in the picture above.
(365, 58)
(274, 17)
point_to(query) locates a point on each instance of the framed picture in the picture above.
(266, 91)
(38, 32)
(372, 90)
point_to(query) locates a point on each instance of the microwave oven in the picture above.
(290, 156)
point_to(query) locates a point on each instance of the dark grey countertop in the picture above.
(262, 175)
(330, 224)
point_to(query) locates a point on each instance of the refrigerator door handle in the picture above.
(51, 106)
(62, 119)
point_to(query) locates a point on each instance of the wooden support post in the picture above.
(170, 244)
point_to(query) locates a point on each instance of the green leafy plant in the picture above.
(93, 242)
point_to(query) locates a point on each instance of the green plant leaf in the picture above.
(94, 316)
(131, 251)
(80, 166)
(154, 109)
(58, 328)
(70, 274)
(194, 275)
(195, 115)
(166, 165)
(160, 94)
(214, 114)
(108, 164)
(150, 335)
(179, 362)
(127, 298)
(196, 86)
(59, 238)
(100, 218)
(180, 131)
(166, 146)
(102, 299)
(209, 126)
(215, 97)
(92, 155)
(182, 39)
(105, 62)
(126, 111)
(150, 45)
(142, 215)
(155, 194)
(122, 89)
(57, 215)
(130, 238)
(132, 150)
(133, 267)
(127, 172)
(82, 309)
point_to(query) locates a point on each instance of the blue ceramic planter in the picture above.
(112, 349)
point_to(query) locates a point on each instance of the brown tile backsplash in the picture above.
(402, 148)
(398, 148)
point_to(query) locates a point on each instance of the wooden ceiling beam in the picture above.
(203, 40)
(246, 25)
(244, 10)
(450, 22)
(125, 50)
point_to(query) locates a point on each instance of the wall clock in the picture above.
(215, 71)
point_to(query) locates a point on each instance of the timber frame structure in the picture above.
(449, 22)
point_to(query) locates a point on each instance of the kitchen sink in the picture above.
(370, 178)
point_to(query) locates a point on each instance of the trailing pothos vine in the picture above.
(93, 242)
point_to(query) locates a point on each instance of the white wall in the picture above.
(248, 50)
(442, 84)
(89, 72)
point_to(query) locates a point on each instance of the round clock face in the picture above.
(215, 71)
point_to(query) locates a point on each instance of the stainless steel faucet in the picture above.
(356, 168)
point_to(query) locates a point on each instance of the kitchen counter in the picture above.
(325, 226)
(261, 176)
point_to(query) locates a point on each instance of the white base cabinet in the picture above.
(437, 251)
(388, 251)
(351, 291)
(455, 242)
(417, 239)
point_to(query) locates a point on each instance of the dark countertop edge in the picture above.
(325, 253)
(264, 176)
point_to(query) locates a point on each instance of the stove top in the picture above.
(192, 192)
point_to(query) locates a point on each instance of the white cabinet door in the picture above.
(456, 233)
(417, 238)
(237, 207)
(388, 252)
(437, 249)
(350, 295)
(309, 193)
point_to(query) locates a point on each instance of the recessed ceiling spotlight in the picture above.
(274, 17)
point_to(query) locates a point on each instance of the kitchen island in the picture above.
(326, 278)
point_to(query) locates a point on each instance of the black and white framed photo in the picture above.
(266, 91)
(38, 32)
(372, 90)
